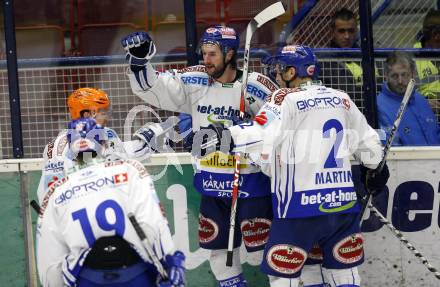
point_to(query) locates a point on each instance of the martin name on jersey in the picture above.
(307, 136)
(193, 91)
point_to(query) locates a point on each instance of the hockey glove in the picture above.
(149, 133)
(223, 139)
(139, 49)
(375, 180)
(175, 266)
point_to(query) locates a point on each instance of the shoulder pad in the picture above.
(197, 68)
(49, 193)
(49, 149)
(263, 80)
(57, 146)
(114, 163)
(139, 167)
(279, 95)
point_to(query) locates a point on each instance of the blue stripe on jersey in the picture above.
(290, 175)
(220, 185)
(68, 281)
(74, 272)
(322, 202)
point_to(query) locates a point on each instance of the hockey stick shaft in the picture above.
(235, 195)
(35, 206)
(140, 232)
(269, 13)
(402, 239)
(400, 113)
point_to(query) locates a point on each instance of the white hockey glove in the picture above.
(175, 266)
(139, 49)
(150, 132)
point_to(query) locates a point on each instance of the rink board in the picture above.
(411, 203)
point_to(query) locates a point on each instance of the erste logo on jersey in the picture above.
(255, 231)
(350, 249)
(285, 258)
(208, 229)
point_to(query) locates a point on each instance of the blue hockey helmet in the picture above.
(84, 135)
(225, 37)
(300, 57)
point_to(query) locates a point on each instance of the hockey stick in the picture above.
(409, 90)
(269, 13)
(35, 206)
(140, 232)
(374, 210)
(404, 240)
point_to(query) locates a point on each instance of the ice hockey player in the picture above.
(93, 103)
(84, 237)
(307, 135)
(210, 93)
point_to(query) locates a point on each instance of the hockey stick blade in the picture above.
(140, 232)
(269, 13)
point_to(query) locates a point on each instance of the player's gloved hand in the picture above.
(150, 132)
(139, 49)
(376, 180)
(175, 266)
(224, 141)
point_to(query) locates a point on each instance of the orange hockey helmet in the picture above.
(87, 99)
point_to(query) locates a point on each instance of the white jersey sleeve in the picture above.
(51, 249)
(54, 157)
(163, 90)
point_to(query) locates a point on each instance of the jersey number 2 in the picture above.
(332, 161)
(101, 218)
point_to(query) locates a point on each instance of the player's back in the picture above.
(93, 202)
(315, 153)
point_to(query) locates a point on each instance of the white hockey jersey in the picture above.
(193, 91)
(56, 159)
(92, 203)
(307, 135)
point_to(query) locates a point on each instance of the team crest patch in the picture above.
(208, 229)
(255, 231)
(350, 249)
(285, 258)
(120, 178)
(316, 253)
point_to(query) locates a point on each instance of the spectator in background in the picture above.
(428, 71)
(345, 76)
(418, 125)
(345, 30)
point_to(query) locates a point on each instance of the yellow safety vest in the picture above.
(428, 76)
(356, 70)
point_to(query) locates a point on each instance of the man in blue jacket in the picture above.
(419, 124)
